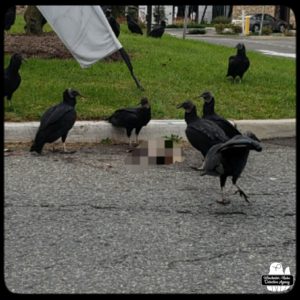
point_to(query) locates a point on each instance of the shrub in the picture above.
(236, 28)
(221, 20)
(195, 25)
(189, 25)
(197, 31)
(174, 138)
(266, 30)
(289, 33)
(172, 26)
(219, 28)
(228, 30)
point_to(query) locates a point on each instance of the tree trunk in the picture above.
(204, 11)
(34, 20)
(149, 18)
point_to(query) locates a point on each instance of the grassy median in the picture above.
(170, 69)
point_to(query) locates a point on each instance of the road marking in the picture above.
(269, 52)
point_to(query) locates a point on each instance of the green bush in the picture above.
(289, 33)
(236, 28)
(173, 26)
(195, 25)
(189, 25)
(219, 28)
(197, 31)
(228, 31)
(228, 28)
(266, 30)
(221, 20)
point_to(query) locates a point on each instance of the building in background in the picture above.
(173, 12)
(206, 13)
(167, 13)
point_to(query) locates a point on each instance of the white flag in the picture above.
(84, 30)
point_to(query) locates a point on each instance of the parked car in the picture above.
(277, 25)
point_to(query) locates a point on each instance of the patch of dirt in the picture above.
(47, 45)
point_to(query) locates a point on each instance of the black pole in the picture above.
(149, 18)
(129, 65)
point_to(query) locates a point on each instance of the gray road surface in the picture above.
(88, 223)
(278, 46)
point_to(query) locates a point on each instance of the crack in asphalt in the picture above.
(229, 213)
(198, 260)
(164, 210)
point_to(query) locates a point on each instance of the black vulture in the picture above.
(115, 26)
(157, 32)
(12, 78)
(133, 26)
(238, 64)
(201, 133)
(57, 121)
(131, 118)
(209, 114)
(9, 17)
(229, 159)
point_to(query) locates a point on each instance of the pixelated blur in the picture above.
(155, 152)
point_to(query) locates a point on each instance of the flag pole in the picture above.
(129, 65)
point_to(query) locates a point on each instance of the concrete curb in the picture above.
(96, 131)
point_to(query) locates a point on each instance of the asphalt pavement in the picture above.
(88, 223)
(284, 46)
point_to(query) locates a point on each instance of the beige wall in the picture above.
(251, 9)
(292, 19)
(255, 9)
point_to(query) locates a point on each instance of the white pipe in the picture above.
(243, 21)
(186, 11)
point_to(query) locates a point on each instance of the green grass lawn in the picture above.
(171, 70)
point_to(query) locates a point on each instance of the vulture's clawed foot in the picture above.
(242, 194)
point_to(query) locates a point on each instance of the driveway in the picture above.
(269, 45)
(88, 223)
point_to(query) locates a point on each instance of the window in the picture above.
(268, 18)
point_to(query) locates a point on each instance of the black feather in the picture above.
(201, 133)
(229, 159)
(12, 78)
(9, 17)
(56, 121)
(239, 63)
(115, 26)
(210, 114)
(133, 26)
(158, 31)
(132, 118)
